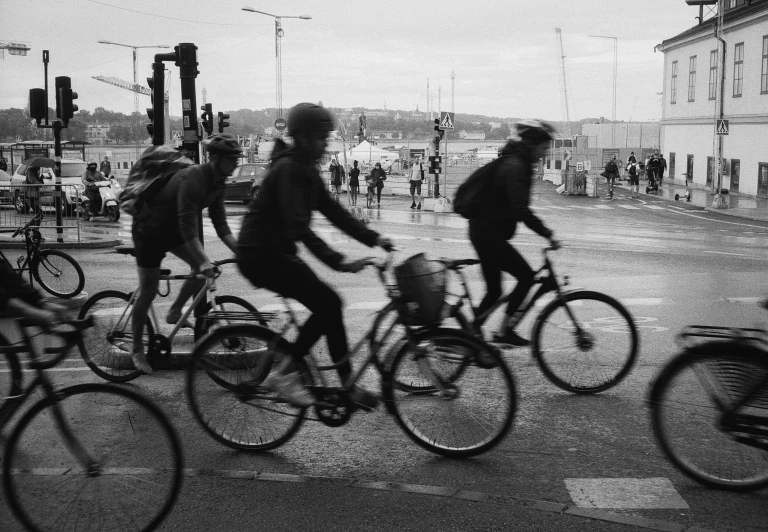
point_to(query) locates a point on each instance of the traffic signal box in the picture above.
(156, 113)
(223, 121)
(207, 118)
(436, 159)
(65, 108)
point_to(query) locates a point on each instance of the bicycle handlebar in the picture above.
(35, 219)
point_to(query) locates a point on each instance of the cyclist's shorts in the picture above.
(415, 187)
(151, 250)
(634, 180)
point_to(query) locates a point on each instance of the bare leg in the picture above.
(148, 281)
(188, 289)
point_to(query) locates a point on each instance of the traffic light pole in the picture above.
(186, 60)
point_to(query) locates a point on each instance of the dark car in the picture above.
(244, 182)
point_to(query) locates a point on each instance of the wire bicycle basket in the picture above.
(422, 285)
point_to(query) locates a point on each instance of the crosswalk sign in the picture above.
(722, 127)
(446, 120)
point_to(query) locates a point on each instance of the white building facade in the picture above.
(692, 64)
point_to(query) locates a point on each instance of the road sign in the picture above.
(446, 120)
(438, 158)
(434, 171)
(722, 127)
(280, 124)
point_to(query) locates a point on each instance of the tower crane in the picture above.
(561, 54)
(146, 91)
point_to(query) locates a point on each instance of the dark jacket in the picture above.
(611, 169)
(337, 174)
(509, 195)
(13, 286)
(281, 214)
(379, 176)
(354, 174)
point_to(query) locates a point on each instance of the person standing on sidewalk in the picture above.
(631, 158)
(354, 182)
(105, 167)
(379, 176)
(3, 164)
(417, 177)
(337, 178)
(611, 173)
(662, 167)
(653, 172)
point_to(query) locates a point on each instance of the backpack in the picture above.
(151, 172)
(632, 169)
(472, 193)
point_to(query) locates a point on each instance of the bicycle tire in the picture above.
(229, 303)
(475, 412)
(10, 384)
(135, 482)
(579, 365)
(687, 403)
(225, 394)
(51, 276)
(107, 347)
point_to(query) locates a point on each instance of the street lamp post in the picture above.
(615, 68)
(136, 82)
(278, 56)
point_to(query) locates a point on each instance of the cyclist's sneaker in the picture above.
(510, 338)
(141, 363)
(290, 388)
(363, 399)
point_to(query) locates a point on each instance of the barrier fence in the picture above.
(20, 202)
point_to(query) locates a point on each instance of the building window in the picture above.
(692, 78)
(673, 88)
(764, 72)
(712, 74)
(738, 68)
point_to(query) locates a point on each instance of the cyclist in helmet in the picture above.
(280, 216)
(170, 221)
(506, 202)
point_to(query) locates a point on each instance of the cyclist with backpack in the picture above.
(280, 216)
(500, 200)
(168, 220)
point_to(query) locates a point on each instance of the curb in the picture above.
(455, 493)
(7, 244)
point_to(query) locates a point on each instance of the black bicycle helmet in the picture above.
(308, 117)
(223, 144)
(535, 131)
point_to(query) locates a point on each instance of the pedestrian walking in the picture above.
(662, 167)
(337, 178)
(32, 192)
(633, 173)
(631, 158)
(653, 172)
(105, 167)
(3, 164)
(417, 177)
(354, 182)
(610, 173)
(379, 176)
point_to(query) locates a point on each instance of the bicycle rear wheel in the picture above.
(58, 273)
(711, 418)
(593, 357)
(10, 382)
(134, 477)
(449, 412)
(109, 343)
(225, 392)
(225, 304)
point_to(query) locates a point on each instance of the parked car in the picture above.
(245, 181)
(6, 193)
(72, 171)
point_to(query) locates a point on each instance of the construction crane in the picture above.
(146, 91)
(561, 53)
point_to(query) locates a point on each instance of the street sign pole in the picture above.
(445, 167)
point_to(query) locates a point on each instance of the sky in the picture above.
(357, 53)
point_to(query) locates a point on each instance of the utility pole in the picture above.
(719, 202)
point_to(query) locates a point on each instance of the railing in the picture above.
(19, 202)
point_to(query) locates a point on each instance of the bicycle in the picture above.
(56, 271)
(709, 407)
(446, 410)
(109, 343)
(116, 464)
(566, 343)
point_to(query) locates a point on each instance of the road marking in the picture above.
(725, 253)
(606, 207)
(744, 300)
(624, 493)
(630, 207)
(657, 207)
(644, 301)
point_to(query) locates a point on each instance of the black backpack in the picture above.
(472, 193)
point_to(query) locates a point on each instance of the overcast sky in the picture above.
(357, 52)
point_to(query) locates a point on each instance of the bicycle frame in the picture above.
(42, 381)
(31, 244)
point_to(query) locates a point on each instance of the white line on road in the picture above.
(630, 207)
(724, 253)
(625, 493)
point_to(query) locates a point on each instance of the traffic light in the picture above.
(207, 118)
(223, 117)
(440, 132)
(37, 104)
(156, 113)
(65, 108)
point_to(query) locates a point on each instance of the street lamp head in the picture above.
(305, 17)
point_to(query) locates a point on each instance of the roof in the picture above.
(708, 26)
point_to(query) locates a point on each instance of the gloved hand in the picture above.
(353, 266)
(385, 243)
(209, 270)
(554, 243)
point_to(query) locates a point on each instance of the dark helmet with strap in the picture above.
(223, 144)
(535, 131)
(308, 117)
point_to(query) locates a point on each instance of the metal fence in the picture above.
(19, 202)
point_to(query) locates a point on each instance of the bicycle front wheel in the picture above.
(10, 382)
(225, 392)
(109, 343)
(709, 414)
(224, 305)
(589, 349)
(127, 472)
(451, 412)
(58, 273)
